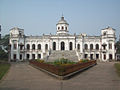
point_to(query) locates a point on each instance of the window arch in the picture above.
(33, 46)
(86, 46)
(62, 46)
(54, 45)
(58, 28)
(62, 28)
(91, 46)
(70, 46)
(39, 46)
(46, 46)
(78, 46)
(66, 28)
(110, 45)
(97, 47)
(28, 46)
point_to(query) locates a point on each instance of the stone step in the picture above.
(70, 55)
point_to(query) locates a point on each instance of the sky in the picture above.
(41, 16)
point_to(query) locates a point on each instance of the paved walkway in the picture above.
(22, 76)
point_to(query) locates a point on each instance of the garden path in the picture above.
(22, 76)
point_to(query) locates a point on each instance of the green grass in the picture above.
(3, 69)
(117, 66)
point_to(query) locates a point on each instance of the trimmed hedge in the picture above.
(62, 69)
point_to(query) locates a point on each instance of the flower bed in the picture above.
(64, 69)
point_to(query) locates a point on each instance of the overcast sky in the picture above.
(41, 16)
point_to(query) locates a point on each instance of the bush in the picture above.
(39, 60)
(63, 62)
(83, 60)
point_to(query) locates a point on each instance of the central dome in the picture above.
(62, 21)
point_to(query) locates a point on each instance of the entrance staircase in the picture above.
(70, 55)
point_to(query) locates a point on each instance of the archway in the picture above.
(110, 56)
(54, 45)
(62, 46)
(70, 46)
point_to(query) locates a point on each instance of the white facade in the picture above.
(33, 47)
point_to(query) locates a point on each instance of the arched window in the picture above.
(104, 56)
(62, 27)
(46, 46)
(86, 46)
(70, 46)
(66, 28)
(33, 46)
(104, 33)
(28, 46)
(97, 47)
(39, 46)
(54, 45)
(28, 56)
(110, 45)
(39, 56)
(62, 46)
(58, 28)
(78, 46)
(91, 46)
(15, 46)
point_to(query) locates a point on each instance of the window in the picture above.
(91, 56)
(66, 28)
(33, 56)
(97, 47)
(28, 56)
(39, 56)
(15, 46)
(110, 56)
(54, 45)
(91, 46)
(10, 46)
(33, 46)
(39, 46)
(104, 47)
(21, 47)
(86, 46)
(58, 28)
(62, 46)
(20, 56)
(104, 57)
(104, 33)
(86, 55)
(14, 56)
(97, 56)
(70, 46)
(110, 45)
(28, 47)
(78, 46)
(62, 27)
(46, 46)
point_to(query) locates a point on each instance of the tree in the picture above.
(118, 47)
(4, 42)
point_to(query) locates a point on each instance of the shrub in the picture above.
(41, 61)
(63, 62)
(83, 60)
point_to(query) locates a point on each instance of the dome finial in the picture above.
(62, 15)
(62, 18)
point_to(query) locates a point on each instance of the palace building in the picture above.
(62, 45)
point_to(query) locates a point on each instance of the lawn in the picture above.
(3, 69)
(117, 66)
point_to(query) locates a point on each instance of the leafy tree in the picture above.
(118, 47)
(4, 43)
